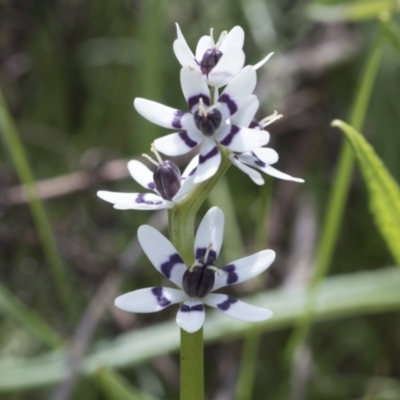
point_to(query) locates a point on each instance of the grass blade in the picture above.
(384, 192)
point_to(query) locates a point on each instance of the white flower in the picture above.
(199, 280)
(259, 158)
(149, 201)
(206, 123)
(218, 62)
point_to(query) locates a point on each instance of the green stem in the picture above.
(337, 198)
(10, 134)
(181, 220)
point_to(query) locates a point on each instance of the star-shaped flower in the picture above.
(206, 123)
(217, 62)
(167, 183)
(198, 281)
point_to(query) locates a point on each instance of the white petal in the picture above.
(241, 139)
(243, 84)
(246, 112)
(209, 161)
(228, 66)
(263, 61)
(254, 175)
(179, 33)
(179, 143)
(191, 166)
(244, 269)
(205, 43)
(278, 174)
(210, 232)
(191, 316)
(237, 309)
(194, 86)
(266, 155)
(134, 201)
(184, 54)
(234, 39)
(149, 300)
(159, 114)
(162, 254)
(187, 185)
(141, 174)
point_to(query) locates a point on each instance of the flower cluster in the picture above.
(220, 114)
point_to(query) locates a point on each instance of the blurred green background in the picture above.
(69, 71)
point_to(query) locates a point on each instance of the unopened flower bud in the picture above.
(167, 179)
(198, 281)
(210, 60)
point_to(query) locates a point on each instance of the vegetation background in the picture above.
(69, 71)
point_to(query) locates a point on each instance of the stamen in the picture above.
(154, 150)
(151, 160)
(207, 252)
(212, 34)
(221, 39)
(202, 108)
(215, 105)
(270, 119)
(213, 268)
(194, 265)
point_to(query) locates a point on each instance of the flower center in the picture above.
(198, 280)
(207, 121)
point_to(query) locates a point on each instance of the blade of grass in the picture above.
(11, 137)
(28, 318)
(383, 191)
(115, 387)
(391, 32)
(360, 293)
(337, 198)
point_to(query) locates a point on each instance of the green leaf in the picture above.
(116, 387)
(352, 11)
(384, 192)
(340, 296)
(391, 33)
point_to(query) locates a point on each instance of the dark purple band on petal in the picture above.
(232, 106)
(177, 121)
(226, 304)
(212, 153)
(161, 299)
(232, 275)
(227, 140)
(166, 267)
(188, 141)
(151, 186)
(258, 161)
(194, 100)
(201, 252)
(141, 199)
(197, 307)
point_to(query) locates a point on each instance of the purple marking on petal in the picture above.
(254, 124)
(140, 198)
(232, 106)
(188, 141)
(212, 153)
(197, 307)
(177, 121)
(229, 137)
(151, 186)
(226, 304)
(161, 299)
(166, 267)
(258, 161)
(192, 101)
(201, 252)
(232, 275)
(193, 171)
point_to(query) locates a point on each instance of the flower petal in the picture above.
(159, 114)
(182, 51)
(194, 87)
(162, 254)
(245, 113)
(186, 186)
(263, 61)
(134, 201)
(266, 155)
(149, 300)
(233, 40)
(228, 66)
(191, 316)
(141, 174)
(253, 174)
(209, 160)
(237, 309)
(178, 143)
(205, 43)
(278, 174)
(244, 269)
(189, 170)
(239, 139)
(210, 231)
